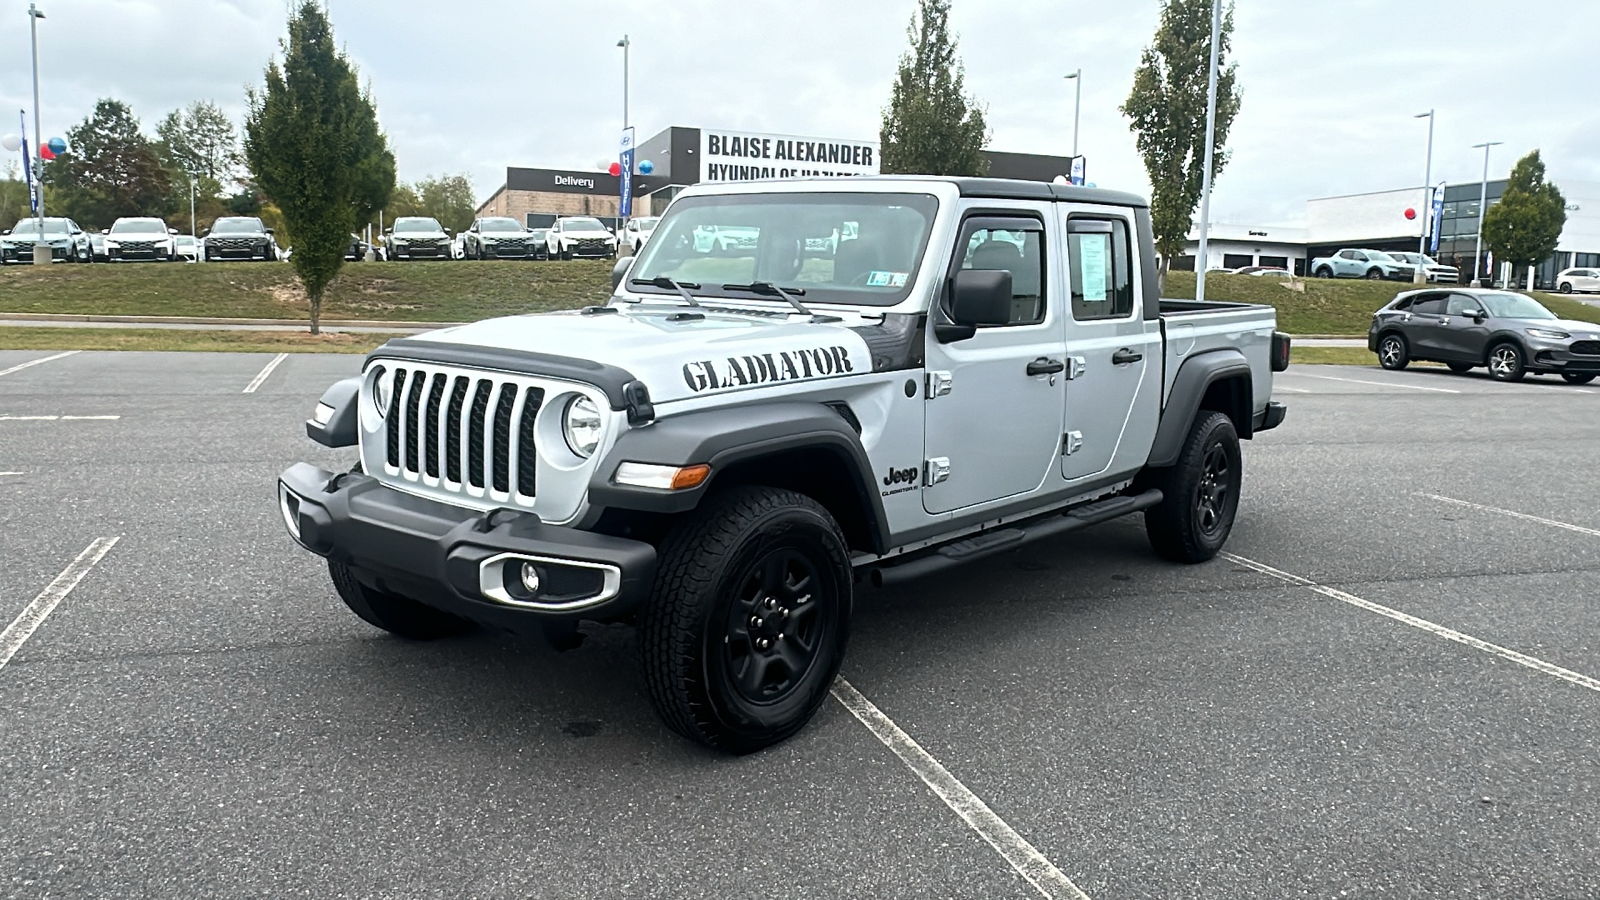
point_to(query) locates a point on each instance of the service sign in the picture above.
(745, 156)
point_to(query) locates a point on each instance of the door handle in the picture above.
(1045, 366)
(1124, 356)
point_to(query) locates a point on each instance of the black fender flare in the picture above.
(724, 437)
(340, 429)
(1197, 374)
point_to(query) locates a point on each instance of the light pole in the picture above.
(34, 15)
(191, 206)
(1211, 132)
(1077, 103)
(1420, 276)
(1483, 198)
(625, 44)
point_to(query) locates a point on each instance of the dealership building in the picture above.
(680, 157)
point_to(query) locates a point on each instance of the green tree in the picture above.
(931, 126)
(200, 140)
(110, 170)
(1168, 109)
(448, 198)
(314, 148)
(1525, 226)
(13, 196)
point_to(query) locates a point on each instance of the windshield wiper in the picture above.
(768, 289)
(667, 284)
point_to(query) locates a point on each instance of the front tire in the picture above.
(747, 624)
(1199, 495)
(1393, 353)
(1374, 274)
(1577, 377)
(1566, 287)
(1324, 272)
(1506, 362)
(392, 612)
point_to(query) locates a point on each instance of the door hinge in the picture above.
(935, 470)
(1071, 442)
(1075, 367)
(938, 384)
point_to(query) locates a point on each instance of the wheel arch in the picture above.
(1506, 337)
(1216, 381)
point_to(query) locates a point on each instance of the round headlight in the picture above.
(382, 391)
(581, 426)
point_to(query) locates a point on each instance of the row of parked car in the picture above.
(501, 237)
(138, 238)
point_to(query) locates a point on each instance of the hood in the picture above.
(679, 358)
(587, 234)
(1583, 331)
(421, 236)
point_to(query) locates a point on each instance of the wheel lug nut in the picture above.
(755, 621)
(763, 643)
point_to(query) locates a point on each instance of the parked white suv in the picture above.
(638, 231)
(140, 237)
(1581, 280)
(580, 236)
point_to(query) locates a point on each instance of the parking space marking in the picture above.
(35, 362)
(23, 626)
(13, 473)
(59, 418)
(1513, 514)
(262, 375)
(1023, 856)
(1411, 387)
(1449, 634)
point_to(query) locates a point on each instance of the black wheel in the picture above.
(1506, 363)
(748, 622)
(1577, 377)
(1374, 274)
(1566, 287)
(1324, 272)
(1393, 352)
(566, 254)
(1459, 368)
(392, 612)
(1200, 494)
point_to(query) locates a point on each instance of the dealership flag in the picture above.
(626, 182)
(27, 168)
(1436, 218)
(1078, 174)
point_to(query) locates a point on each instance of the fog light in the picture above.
(323, 414)
(289, 505)
(530, 579)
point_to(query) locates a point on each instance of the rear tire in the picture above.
(1577, 377)
(1393, 353)
(1199, 495)
(748, 621)
(1506, 362)
(1460, 368)
(392, 612)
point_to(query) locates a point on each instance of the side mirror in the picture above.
(4, 233)
(269, 231)
(619, 270)
(172, 231)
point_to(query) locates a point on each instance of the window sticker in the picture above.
(876, 278)
(1092, 252)
(897, 279)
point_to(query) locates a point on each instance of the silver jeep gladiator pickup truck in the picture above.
(893, 376)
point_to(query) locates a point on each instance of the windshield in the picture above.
(1380, 256)
(499, 225)
(237, 226)
(139, 226)
(1405, 257)
(582, 225)
(857, 248)
(648, 224)
(1514, 306)
(413, 225)
(28, 227)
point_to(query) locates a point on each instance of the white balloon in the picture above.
(11, 142)
(603, 165)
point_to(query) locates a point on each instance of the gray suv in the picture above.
(1511, 334)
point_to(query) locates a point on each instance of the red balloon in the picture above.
(616, 169)
(1411, 213)
(45, 152)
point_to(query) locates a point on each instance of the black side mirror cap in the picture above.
(619, 270)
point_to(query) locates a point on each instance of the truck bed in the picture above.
(1192, 327)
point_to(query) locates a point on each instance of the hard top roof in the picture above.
(1018, 189)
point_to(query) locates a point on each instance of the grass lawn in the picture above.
(1332, 356)
(183, 339)
(424, 291)
(1332, 306)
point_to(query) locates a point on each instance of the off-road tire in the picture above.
(1393, 352)
(1198, 503)
(1459, 368)
(1507, 362)
(1577, 377)
(392, 612)
(694, 660)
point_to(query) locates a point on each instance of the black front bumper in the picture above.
(464, 561)
(1564, 361)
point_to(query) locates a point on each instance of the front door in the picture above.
(1462, 338)
(1111, 347)
(1424, 329)
(994, 401)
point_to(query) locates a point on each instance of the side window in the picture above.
(1461, 305)
(1358, 256)
(1428, 306)
(1016, 246)
(1347, 254)
(1100, 267)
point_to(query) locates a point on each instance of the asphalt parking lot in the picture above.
(1386, 689)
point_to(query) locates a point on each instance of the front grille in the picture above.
(592, 244)
(138, 246)
(463, 432)
(1587, 348)
(217, 243)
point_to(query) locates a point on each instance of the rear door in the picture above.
(994, 401)
(1112, 350)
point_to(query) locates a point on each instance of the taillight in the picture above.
(1280, 351)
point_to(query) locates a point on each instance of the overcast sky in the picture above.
(1330, 86)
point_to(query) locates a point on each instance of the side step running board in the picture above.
(989, 543)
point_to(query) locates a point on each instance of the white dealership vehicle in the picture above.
(735, 442)
(141, 237)
(575, 236)
(637, 231)
(419, 237)
(1582, 280)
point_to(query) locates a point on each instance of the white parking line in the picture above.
(13, 473)
(1412, 387)
(23, 626)
(1023, 857)
(59, 418)
(1449, 634)
(1513, 514)
(1279, 387)
(262, 375)
(35, 362)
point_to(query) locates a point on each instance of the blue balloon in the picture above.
(646, 167)
(57, 145)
